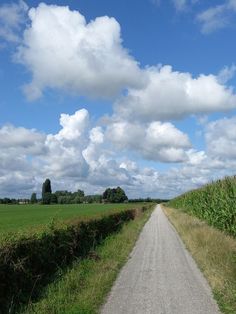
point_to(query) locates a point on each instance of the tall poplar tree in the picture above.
(46, 192)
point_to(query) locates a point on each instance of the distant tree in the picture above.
(80, 193)
(46, 187)
(53, 198)
(46, 198)
(33, 198)
(115, 195)
(46, 192)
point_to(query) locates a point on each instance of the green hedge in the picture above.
(28, 263)
(215, 203)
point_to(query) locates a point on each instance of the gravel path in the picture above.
(160, 276)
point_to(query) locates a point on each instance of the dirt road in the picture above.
(160, 276)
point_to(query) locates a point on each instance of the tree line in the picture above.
(110, 195)
(115, 195)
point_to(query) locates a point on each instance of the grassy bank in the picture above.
(214, 252)
(82, 288)
(215, 203)
(29, 262)
(32, 216)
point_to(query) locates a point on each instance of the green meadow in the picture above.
(33, 216)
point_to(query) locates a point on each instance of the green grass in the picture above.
(24, 217)
(82, 289)
(214, 252)
(214, 203)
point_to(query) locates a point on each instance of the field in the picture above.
(30, 260)
(83, 287)
(21, 217)
(214, 203)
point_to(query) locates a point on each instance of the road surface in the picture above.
(160, 277)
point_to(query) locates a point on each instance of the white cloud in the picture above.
(226, 74)
(62, 51)
(73, 126)
(82, 156)
(154, 141)
(217, 17)
(213, 19)
(12, 18)
(171, 95)
(88, 160)
(20, 139)
(221, 139)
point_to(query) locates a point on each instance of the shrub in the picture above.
(28, 263)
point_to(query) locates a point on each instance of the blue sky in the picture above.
(139, 94)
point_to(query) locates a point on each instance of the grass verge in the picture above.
(83, 288)
(214, 252)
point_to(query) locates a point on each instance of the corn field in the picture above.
(215, 203)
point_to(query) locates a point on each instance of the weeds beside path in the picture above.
(214, 252)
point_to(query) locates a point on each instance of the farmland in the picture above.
(43, 247)
(214, 203)
(23, 217)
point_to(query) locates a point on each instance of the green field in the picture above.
(214, 202)
(21, 217)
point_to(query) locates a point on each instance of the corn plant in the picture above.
(214, 202)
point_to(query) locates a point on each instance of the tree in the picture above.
(115, 195)
(53, 198)
(46, 192)
(46, 198)
(46, 187)
(80, 193)
(33, 198)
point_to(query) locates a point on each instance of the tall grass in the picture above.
(215, 203)
(214, 252)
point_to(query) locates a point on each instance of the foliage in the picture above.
(214, 203)
(84, 287)
(33, 198)
(46, 188)
(28, 262)
(66, 197)
(115, 195)
(46, 192)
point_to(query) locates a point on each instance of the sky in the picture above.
(96, 94)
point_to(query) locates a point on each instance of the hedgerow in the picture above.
(28, 263)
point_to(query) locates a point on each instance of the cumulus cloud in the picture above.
(154, 141)
(18, 149)
(221, 138)
(21, 139)
(80, 155)
(12, 19)
(73, 126)
(172, 95)
(63, 51)
(217, 17)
